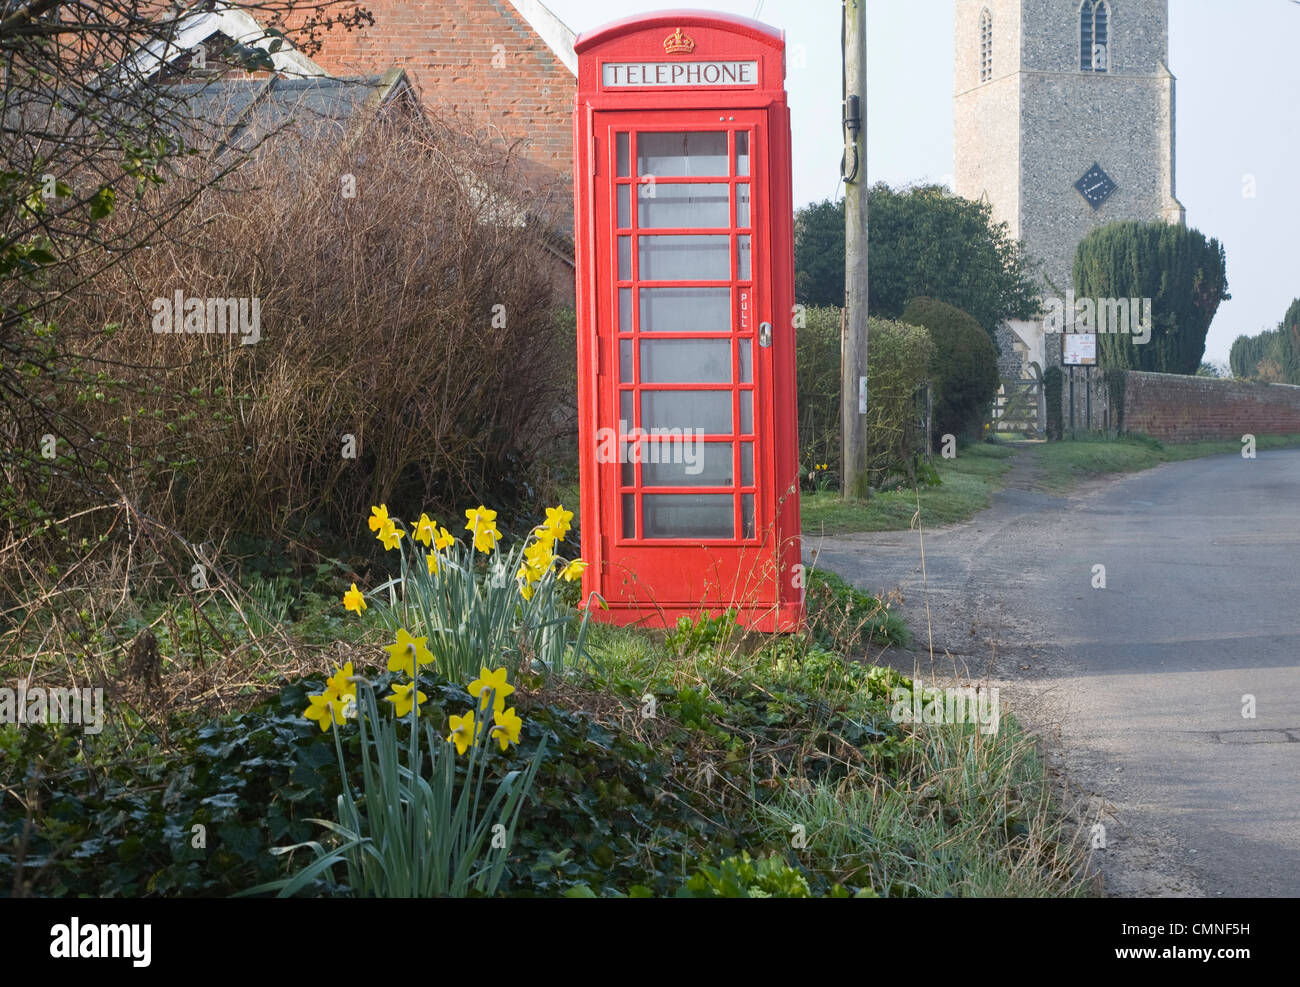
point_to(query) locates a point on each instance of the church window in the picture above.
(986, 45)
(1094, 36)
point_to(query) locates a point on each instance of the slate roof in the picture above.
(240, 113)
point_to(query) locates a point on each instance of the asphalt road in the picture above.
(1139, 685)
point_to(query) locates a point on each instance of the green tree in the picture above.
(1248, 351)
(1289, 343)
(1274, 354)
(1184, 275)
(924, 242)
(963, 370)
(819, 254)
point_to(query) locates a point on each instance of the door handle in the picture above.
(765, 334)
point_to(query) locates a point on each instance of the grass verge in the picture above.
(1062, 465)
(968, 481)
(723, 763)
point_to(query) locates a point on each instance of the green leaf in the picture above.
(102, 202)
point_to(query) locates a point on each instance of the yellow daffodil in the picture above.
(557, 520)
(390, 536)
(401, 698)
(379, 517)
(573, 571)
(482, 523)
(508, 725)
(425, 530)
(341, 682)
(462, 732)
(326, 709)
(496, 681)
(443, 539)
(538, 558)
(539, 555)
(407, 652)
(431, 560)
(354, 600)
(528, 578)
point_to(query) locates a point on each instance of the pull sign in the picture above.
(765, 334)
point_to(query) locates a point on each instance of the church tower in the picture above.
(1063, 121)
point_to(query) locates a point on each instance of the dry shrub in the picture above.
(415, 317)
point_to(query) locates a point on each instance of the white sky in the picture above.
(1238, 114)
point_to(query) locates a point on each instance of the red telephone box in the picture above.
(685, 294)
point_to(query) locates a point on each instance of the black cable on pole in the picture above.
(847, 175)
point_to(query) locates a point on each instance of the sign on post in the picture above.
(1079, 349)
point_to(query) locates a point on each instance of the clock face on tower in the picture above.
(1095, 186)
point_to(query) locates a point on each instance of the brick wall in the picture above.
(1180, 409)
(474, 61)
(1176, 408)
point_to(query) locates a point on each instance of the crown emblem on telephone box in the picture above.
(679, 44)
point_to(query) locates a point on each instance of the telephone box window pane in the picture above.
(625, 258)
(746, 361)
(629, 474)
(695, 205)
(686, 464)
(624, 309)
(625, 361)
(629, 516)
(687, 516)
(742, 261)
(624, 206)
(707, 410)
(620, 144)
(684, 258)
(625, 410)
(742, 205)
(747, 464)
(742, 152)
(685, 361)
(686, 310)
(746, 412)
(747, 514)
(681, 154)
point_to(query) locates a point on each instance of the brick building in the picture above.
(504, 69)
(501, 71)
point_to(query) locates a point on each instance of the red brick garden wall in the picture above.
(1179, 409)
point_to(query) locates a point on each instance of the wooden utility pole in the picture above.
(853, 344)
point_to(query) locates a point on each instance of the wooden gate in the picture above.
(1016, 406)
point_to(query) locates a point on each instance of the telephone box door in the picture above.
(685, 448)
